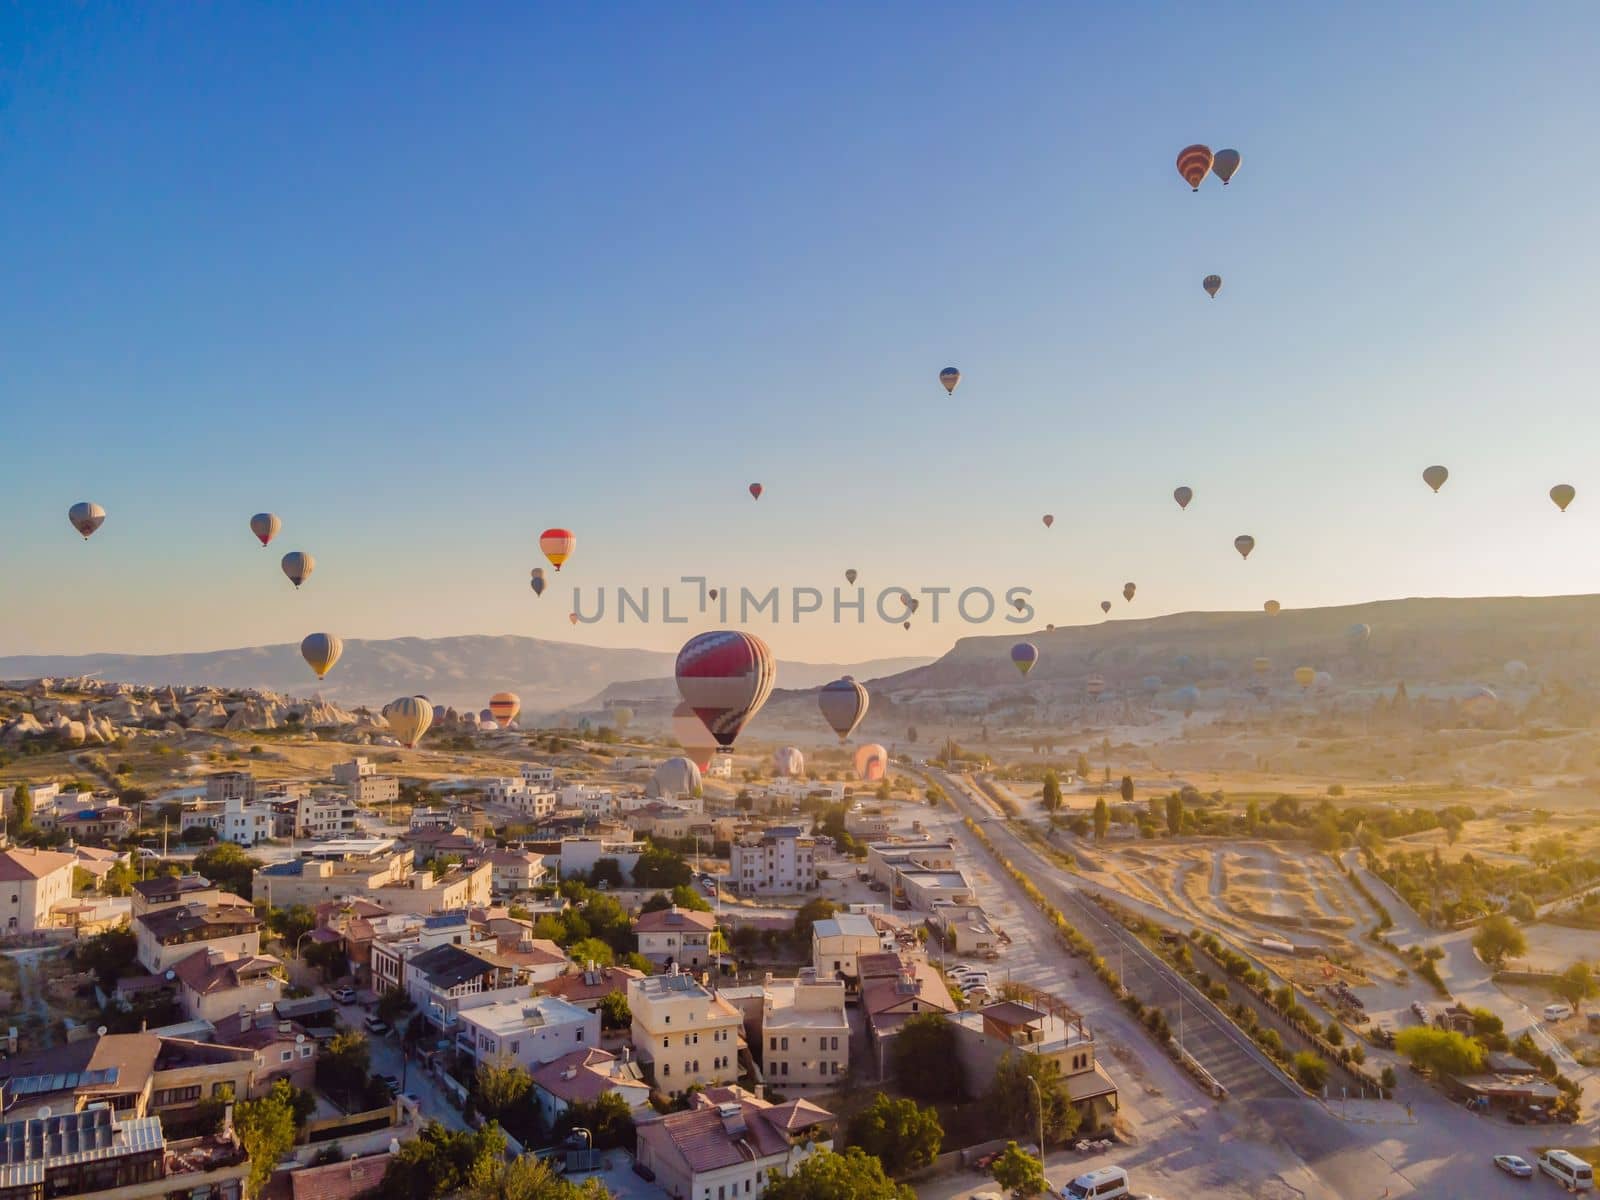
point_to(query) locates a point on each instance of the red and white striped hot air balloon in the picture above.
(725, 676)
(1194, 164)
(557, 545)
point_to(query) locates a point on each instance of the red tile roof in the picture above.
(674, 920)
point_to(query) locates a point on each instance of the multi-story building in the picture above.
(515, 871)
(670, 822)
(924, 889)
(514, 792)
(530, 1031)
(838, 942)
(447, 980)
(675, 936)
(779, 861)
(886, 859)
(893, 990)
(326, 812)
(592, 802)
(283, 1049)
(729, 1143)
(99, 819)
(986, 1035)
(684, 1032)
(247, 822)
(32, 884)
(804, 1036)
(867, 824)
(370, 869)
(721, 767)
(213, 984)
(169, 891)
(167, 936)
(578, 855)
(399, 937)
(537, 775)
(590, 984)
(359, 767)
(222, 786)
(373, 791)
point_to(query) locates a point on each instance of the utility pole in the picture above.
(1039, 1097)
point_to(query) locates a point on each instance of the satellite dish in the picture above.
(170, 975)
(101, 1031)
(44, 1112)
(299, 1037)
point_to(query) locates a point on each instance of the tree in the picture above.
(1127, 789)
(441, 1162)
(812, 911)
(1051, 799)
(1102, 819)
(290, 923)
(923, 1058)
(227, 866)
(1576, 984)
(526, 1178)
(608, 1119)
(1498, 939)
(659, 867)
(614, 1011)
(1019, 1172)
(1441, 1050)
(344, 1065)
(109, 955)
(499, 1085)
(1175, 813)
(900, 1134)
(1325, 836)
(329, 958)
(607, 871)
(21, 816)
(1252, 817)
(393, 1004)
(1310, 1070)
(829, 1176)
(1016, 1106)
(592, 950)
(1388, 1080)
(266, 1129)
(1081, 767)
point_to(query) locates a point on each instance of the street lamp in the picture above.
(1039, 1096)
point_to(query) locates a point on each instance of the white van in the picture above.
(1106, 1183)
(1569, 1169)
(1557, 1012)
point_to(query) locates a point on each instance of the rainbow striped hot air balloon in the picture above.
(726, 676)
(1024, 655)
(557, 545)
(950, 377)
(1194, 164)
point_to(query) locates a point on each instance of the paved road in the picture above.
(1233, 1060)
(389, 1059)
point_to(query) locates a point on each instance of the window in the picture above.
(666, 1069)
(516, 1047)
(785, 1043)
(286, 1056)
(580, 1035)
(306, 1052)
(666, 1043)
(834, 1043)
(774, 1044)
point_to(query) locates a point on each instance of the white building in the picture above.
(592, 802)
(582, 1077)
(778, 861)
(838, 942)
(359, 767)
(805, 1038)
(32, 884)
(721, 767)
(538, 776)
(684, 1032)
(676, 936)
(515, 871)
(531, 1031)
(579, 855)
(513, 792)
(729, 1143)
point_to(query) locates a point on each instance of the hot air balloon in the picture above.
(1183, 662)
(844, 704)
(850, 575)
(713, 593)
(1516, 669)
(1024, 655)
(1305, 676)
(265, 526)
(1095, 685)
(573, 618)
(1225, 164)
(755, 490)
(1434, 477)
(298, 565)
(907, 627)
(1212, 285)
(504, 707)
(439, 712)
(488, 725)
(1188, 697)
(675, 777)
(1261, 665)
(1183, 495)
(1359, 635)
(1105, 606)
(726, 676)
(86, 517)
(913, 603)
(693, 735)
(1480, 702)
(872, 762)
(1194, 164)
(1128, 590)
(537, 582)
(1151, 683)
(1322, 682)
(1244, 543)
(557, 545)
(1049, 520)
(1049, 628)
(1019, 604)
(789, 762)
(1272, 608)
(409, 718)
(950, 377)
(1563, 494)
(321, 651)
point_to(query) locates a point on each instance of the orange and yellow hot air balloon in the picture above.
(557, 545)
(504, 707)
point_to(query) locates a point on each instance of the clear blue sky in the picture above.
(426, 279)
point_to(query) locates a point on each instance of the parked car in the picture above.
(392, 1082)
(377, 1026)
(1514, 1164)
(344, 995)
